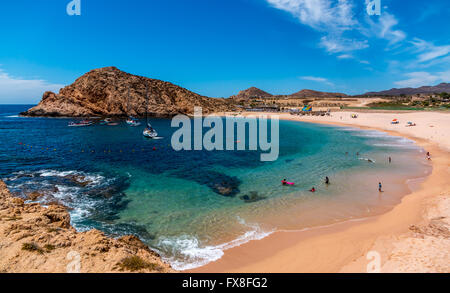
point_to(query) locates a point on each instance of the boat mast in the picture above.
(128, 102)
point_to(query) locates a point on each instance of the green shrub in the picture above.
(135, 263)
(49, 247)
(32, 247)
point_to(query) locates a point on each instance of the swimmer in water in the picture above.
(313, 189)
(284, 182)
(327, 180)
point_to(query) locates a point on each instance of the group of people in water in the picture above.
(327, 180)
(313, 189)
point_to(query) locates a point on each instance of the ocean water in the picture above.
(113, 179)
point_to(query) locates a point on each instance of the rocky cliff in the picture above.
(35, 239)
(111, 92)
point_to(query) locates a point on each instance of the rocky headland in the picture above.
(36, 238)
(111, 92)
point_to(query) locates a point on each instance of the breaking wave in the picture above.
(86, 195)
(187, 252)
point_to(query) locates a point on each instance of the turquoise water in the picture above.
(126, 184)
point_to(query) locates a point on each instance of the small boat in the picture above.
(130, 120)
(150, 132)
(83, 123)
(105, 121)
(133, 122)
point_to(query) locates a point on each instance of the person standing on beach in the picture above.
(327, 180)
(390, 160)
(380, 187)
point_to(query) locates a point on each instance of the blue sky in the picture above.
(218, 47)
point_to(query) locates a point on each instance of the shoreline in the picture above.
(311, 249)
(343, 247)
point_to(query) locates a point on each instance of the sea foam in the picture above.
(187, 252)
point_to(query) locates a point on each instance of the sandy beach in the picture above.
(413, 237)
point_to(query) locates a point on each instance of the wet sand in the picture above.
(413, 237)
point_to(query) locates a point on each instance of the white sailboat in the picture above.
(149, 131)
(131, 121)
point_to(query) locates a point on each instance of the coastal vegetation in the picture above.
(32, 247)
(135, 263)
(436, 101)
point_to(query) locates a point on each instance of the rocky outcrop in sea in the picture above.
(40, 239)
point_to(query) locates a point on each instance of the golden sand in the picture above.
(413, 237)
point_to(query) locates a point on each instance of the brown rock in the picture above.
(111, 92)
(35, 195)
(133, 241)
(58, 215)
(59, 244)
(78, 179)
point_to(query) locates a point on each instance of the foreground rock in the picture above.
(111, 92)
(38, 239)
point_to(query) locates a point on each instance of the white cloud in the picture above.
(337, 19)
(332, 17)
(319, 14)
(383, 28)
(317, 79)
(20, 90)
(345, 56)
(428, 51)
(340, 44)
(387, 23)
(421, 78)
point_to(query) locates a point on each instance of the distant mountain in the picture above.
(111, 92)
(317, 94)
(254, 92)
(443, 87)
(250, 93)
